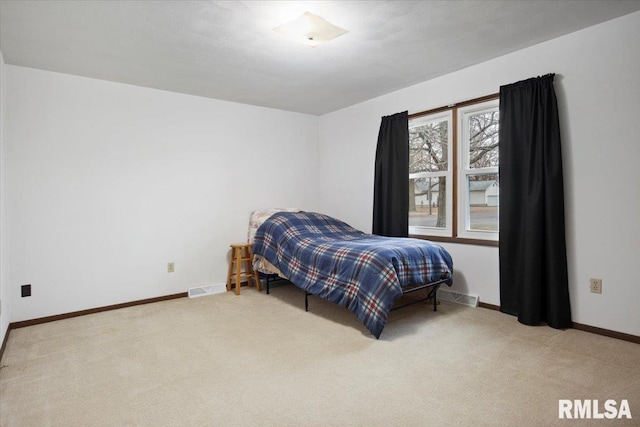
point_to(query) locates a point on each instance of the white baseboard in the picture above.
(458, 298)
(201, 291)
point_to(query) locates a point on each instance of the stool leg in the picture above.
(246, 255)
(238, 269)
(230, 272)
(254, 273)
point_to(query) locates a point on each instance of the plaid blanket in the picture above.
(360, 271)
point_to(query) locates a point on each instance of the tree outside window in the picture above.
(433, 141)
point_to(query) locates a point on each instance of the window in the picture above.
(453, 172)
(430, 175)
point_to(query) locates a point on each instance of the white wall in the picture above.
(597, 72)
(109, 182)
(5, 299)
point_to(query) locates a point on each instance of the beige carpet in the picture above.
(258, 359)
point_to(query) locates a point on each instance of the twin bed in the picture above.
(365, 273)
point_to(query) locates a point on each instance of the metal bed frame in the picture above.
(431, 294)
(270, 278)
(434, 286)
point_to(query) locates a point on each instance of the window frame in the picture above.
(465, 170)
(448, 174)
(457, 214)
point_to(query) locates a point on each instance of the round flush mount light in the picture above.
(311, 29)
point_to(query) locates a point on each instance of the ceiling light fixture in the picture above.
(310, 29)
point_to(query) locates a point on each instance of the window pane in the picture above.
(428, 147)
(428, 202)
(483, 139)
(484, 199)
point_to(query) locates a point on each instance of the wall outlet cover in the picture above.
(595, 285)
(25, 290)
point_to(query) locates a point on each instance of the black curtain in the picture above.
(533, 260)
(391, 181)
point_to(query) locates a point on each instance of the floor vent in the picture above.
(458, 298)
(201, 291)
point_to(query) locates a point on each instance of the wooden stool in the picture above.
(242, 252)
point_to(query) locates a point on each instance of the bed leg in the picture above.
(267, 284)
(306, 300)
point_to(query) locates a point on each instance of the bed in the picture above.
(365, 273)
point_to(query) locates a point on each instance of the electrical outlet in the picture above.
(170, 268)
(595, 285)
(25, 290)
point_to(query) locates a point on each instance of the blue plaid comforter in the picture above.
(360, 271)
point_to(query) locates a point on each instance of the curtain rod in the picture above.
(459, 104)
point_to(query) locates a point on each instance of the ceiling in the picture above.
(227, 49)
